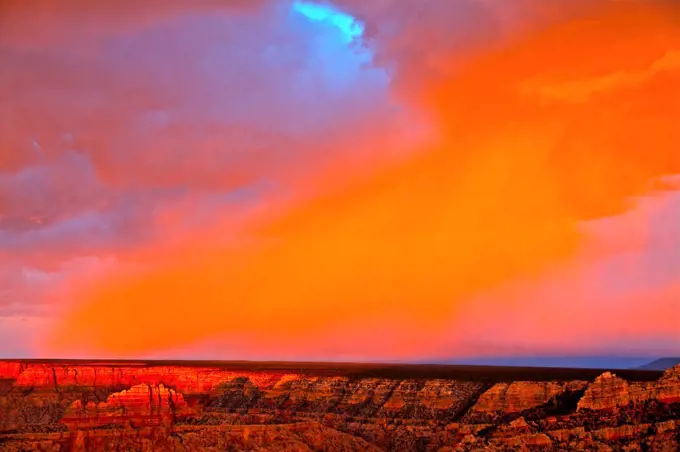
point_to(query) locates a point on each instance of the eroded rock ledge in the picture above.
(114, 407)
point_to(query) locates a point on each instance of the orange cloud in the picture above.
(581, 90)
(500, 197)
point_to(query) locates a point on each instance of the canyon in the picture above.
(184, 406)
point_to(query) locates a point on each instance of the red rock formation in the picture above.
(298, 437)
(188, 380)
(606, 392)
(566, 435)
(439, 394)
(138, 406)
(609, 392)
(667, 390)
(621, 432)
(522, 395)
(114, 407)
(531, 440)
(10, 370)
(300, 389)
(667, 426)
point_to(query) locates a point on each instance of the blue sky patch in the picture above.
(325, 12)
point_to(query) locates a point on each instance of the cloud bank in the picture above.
(266, 180)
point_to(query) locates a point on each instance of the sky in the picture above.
(394, 180)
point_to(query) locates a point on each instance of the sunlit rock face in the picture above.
(606, 392)
(188, 380)
(522, 395)
(135, 407)
(668, 388)
(141, 405)
(610, 392)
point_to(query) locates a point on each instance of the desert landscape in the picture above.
(244, 406)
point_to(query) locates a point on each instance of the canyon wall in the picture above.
(112, 406)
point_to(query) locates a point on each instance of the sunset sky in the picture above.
(359, 180)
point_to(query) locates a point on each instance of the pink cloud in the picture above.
(160, 126)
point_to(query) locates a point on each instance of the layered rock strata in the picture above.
(118, 407)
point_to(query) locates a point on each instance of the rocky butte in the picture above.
(131, 406)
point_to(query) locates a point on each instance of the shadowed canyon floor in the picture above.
(242, 406)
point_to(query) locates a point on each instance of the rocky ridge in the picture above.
(609, 391)
(117, 407)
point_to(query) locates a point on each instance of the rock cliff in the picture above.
(518, 396)
(141, 405)
(610, 392)
(114, 406)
